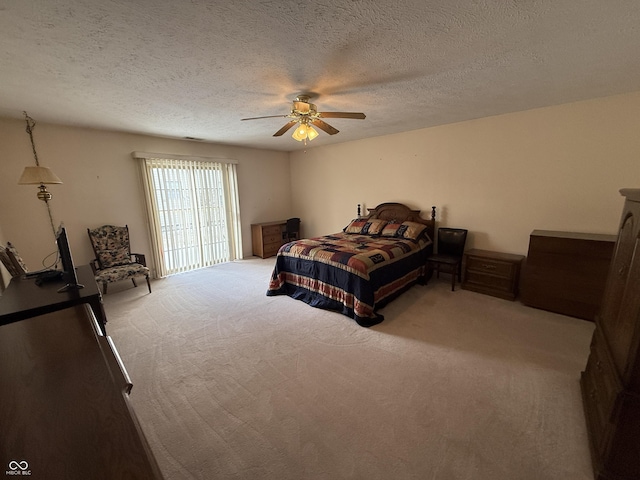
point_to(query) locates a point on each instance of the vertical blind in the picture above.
(193, 213)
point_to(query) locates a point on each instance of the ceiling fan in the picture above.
(307, 116)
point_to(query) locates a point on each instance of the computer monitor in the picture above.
(68, 268)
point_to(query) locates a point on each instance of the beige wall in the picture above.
(101, 185)
(557, 168)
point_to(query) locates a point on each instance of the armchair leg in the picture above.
(148, 283)
(104, 288)
(134, 282)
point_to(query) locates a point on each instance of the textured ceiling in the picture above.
(195, 68)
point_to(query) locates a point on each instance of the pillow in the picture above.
(115, 257)
(391, 229)
(373, 226)
(355, 226)
(363, 226)
(411, 230)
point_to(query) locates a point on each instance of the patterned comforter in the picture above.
(352, 274)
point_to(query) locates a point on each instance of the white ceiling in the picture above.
(183, 68)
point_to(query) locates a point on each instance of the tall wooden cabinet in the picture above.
(611, 380)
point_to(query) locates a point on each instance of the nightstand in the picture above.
(268, 237)
(492, 273)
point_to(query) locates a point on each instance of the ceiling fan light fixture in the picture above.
(301, 107)
(304, 113)
(304, 132)
(300, 133)
(311, 132)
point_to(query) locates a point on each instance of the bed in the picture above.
(359, 270)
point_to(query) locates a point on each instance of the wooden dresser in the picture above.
(268, 237)
(565, 272)
(65, 412)
(611, 380)
(493, 273)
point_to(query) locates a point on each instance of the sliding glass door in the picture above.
(193, 211)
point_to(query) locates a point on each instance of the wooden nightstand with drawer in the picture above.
(267, 238)
(492, 273)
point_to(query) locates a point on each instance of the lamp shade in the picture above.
(304, 132)
(300, 133)
(38, 176)
(311, 132)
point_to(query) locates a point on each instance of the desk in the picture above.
(24, 299)
(64, 412)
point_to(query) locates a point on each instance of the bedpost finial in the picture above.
(358, 210)
(433, 212)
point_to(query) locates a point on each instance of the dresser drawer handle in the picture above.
(488, 266)
(599, 365)
(592, 394)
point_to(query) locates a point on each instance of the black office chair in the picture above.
(292, 231)
(450, 250)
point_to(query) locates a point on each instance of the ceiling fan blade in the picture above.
(283, 130)
(360, 116)
(324, 126)
(270, 116)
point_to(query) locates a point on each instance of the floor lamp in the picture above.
(39, 175)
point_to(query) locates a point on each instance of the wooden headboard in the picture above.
(401, 213)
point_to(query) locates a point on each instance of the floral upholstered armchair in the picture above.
(114, 260)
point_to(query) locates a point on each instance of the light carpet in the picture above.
(232, 384)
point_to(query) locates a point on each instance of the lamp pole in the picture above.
(43, 194)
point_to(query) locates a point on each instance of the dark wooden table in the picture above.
(64, 411)
(24, 299)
